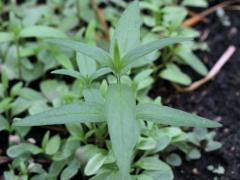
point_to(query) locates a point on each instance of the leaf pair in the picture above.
(120, 110)
(122, 116)
(125, 44)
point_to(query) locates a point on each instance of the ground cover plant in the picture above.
(106, 103)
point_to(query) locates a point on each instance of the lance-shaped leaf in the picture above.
(169, 116)
(86, 65)
(93, 52)
(127, 32)
(71, 169)
(6, 36)
(122, 125)
(100, 72)
(42, 32)
(77, 112)
(191, 59)
(173, 73)
(67, 72)
(137, 53)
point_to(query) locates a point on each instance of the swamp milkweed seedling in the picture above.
(119, 108)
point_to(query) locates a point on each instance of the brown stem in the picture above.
(100, 15)
(195, 19)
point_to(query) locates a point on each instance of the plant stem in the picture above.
(18, 59)
(78, 10)
(118, 79)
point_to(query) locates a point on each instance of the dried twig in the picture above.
(197, 18)
(193, 14)
(233, 8)
(100, 15)
(212, 73)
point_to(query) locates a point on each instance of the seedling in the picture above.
(119, 108)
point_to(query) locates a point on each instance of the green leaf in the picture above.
(137, 53)
(194, 153)
(100, 72)
(152, 163)
(155, 168)
(114, 175)
(169, 116)
(162, 142)
(86, 65)
(127, 32)
(42, 32)
(93, 95)
(212, 146)
(71, 170)
(6, 36)
(94, 164)
(56, 168)
(191, 59)
(102, 176)
(52, 89)
(76, 112)
(174, 16)
(45, 139)
(144, 177)
(53, 145)
(9, 175)
(64, 61)
(174, 159)
(5, 104)
(71, 73)
(122, 124)
(93, 52)
(23, 148)
(75, 129)
(15, 89)
(20, 105)
(147, 144)
(160, 175)
(173, 73)
(196, 3)
(4, 125)
(67, 149)
(116, 58)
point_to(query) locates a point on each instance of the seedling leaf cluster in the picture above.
(120, 111)
(99, 94)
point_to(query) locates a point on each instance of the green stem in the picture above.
(78, 10)
(118, 79)
(18, 59)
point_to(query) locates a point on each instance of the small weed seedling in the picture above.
(119, 108)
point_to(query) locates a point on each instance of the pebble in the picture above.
(226, 130)
(195, 171)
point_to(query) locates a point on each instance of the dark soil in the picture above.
(218, 99)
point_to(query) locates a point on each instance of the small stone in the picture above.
(31, 140)
(226, 130)
(218, 118)
(233, 31)
(195, 171)
(232, 148)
